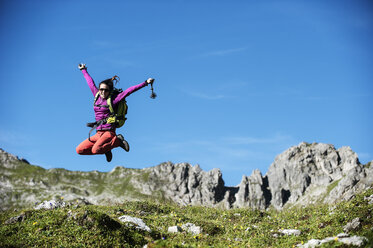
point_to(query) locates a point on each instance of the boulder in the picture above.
(52, 204)
(137, 222)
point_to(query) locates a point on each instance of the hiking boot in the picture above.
(123, 143)
(109, 156)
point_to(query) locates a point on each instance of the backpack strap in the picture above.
(94, 125)
(110, 105)
(96, 97)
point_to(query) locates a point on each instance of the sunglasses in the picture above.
(104, 90)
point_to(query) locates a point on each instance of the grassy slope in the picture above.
(63, 182)
(98, 226)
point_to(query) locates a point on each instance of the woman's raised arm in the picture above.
(88, 78)
(129, 91)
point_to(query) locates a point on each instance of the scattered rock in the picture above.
(16, 219)
(82, 202)
(322, 225)
(354, 240)
(311, 243)
(191, 228)
(275, 235)
(139, 223)
(52, 204)
(83, 219)
(342, 237)
(251, 227)
(369, 199)
(188, 227)
(290, 232)
(174, 229)
(71, 215)
(353, 225)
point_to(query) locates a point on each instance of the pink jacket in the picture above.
(102, 112)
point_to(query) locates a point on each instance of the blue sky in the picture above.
(238, 82)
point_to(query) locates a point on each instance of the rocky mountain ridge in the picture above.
(302, 175)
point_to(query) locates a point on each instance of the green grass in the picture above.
(332, 186)
(98, 226)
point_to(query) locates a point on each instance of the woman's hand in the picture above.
(150, 80)
(82, 66)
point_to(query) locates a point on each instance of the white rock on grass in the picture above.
(353, 225)
(139, 223)
(315, 243)
(354, 240)
(311, 243)
(188, 227)
(343, 235)
(52, 204)
(174, 229)
(290, 232)
(251, 227)
(191, 228)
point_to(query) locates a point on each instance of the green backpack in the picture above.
(117, 114)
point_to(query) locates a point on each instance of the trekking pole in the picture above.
(153, 95)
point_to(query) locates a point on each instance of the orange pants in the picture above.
(100, 143)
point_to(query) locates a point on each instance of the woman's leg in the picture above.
(85, 148)
(105, 143)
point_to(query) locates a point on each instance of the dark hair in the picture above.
(110, 82)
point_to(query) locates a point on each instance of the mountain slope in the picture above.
(302, 175)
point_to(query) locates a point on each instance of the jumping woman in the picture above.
(105, 139)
